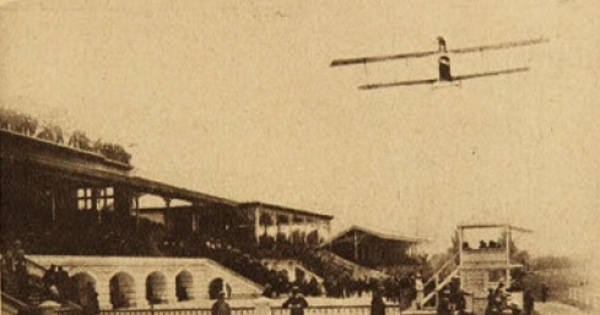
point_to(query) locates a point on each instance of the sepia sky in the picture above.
(236, 98)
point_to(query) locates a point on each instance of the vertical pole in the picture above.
(136, 200)
(460, 245)
(437, 295)
(508, 241)
(355, 246)
(257, 224)
(166, 214)
(53, 201)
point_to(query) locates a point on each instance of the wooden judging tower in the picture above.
(483, 267)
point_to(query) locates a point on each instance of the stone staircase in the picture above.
(35, 291)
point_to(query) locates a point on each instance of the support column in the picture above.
(140, 292)
(171, 290)
(194, 220)
(304, 229)
(355, 242)
(257, 225)
(507, 245)
(166, 214)
(103, 290)
(290, 229)
(274, 219)
(52, 204)
(460, 244)
(136, 202)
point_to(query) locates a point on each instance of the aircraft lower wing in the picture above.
(490, 73)
(422, 54)
(431, 81)
(397, 83)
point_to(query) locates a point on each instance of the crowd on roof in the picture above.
(30, 126)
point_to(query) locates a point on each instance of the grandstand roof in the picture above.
(65, 161)
(285, 209)
(378, 234)
(494, 225)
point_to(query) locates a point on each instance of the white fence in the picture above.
(585, 296)
(313, 310)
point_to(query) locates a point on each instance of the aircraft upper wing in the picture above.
(431, 81)
(505, 45)
(354, 61)
(422, 54)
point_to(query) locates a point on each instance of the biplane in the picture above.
(445, 76)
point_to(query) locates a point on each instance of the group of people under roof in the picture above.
(484, 245)
(29, 126)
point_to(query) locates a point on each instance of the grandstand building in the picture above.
(73, 204)
(374, 249)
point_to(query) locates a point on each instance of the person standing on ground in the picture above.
(296, 303)
(63, 283)
(544, 293)
(220, 307)
(419, 289)
(443, 307)
(377, 303)
(528, 302)
(92, 307)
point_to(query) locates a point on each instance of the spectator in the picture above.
(92, 307)
(220, 307)
(482, 244)
(544, 293)
(18, 253)
(419, 289)
(377, 303)
(63, 283)
(50, 277)
(9, 261)
(460, 302)
(22, 277)
(500, 295)
(443, 307)
(268, 292)
(528, 302)
(491, 308)
(296, 303)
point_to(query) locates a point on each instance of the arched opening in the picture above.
(122, 291)
(156, 288)
(217, 286)
(184, 283)
(85, 288)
